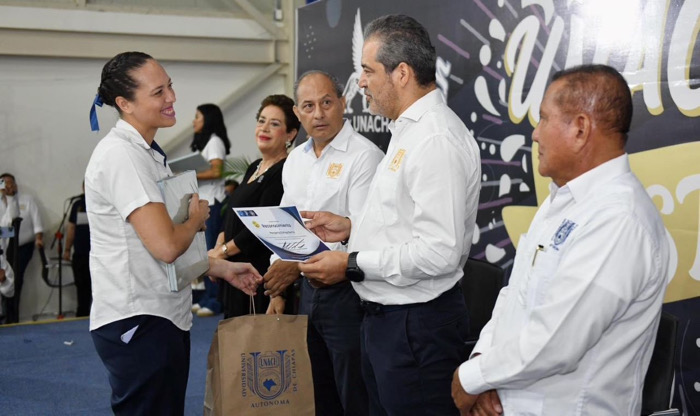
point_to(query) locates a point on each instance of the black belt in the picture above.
(316, 286)
(374, 308)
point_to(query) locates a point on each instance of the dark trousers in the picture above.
(11, 304)
(210, 297)
(148, 375)
(335, 316)
(83, 283)
(409, 354)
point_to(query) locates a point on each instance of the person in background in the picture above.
(211, 139)
(574, 330)
(331, 171)
(139, 327)
(410, 242)
(277, 126)
(78, 238)
(31, 235)
(229, 186)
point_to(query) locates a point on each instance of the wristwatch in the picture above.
(224, 249)
(353, 271)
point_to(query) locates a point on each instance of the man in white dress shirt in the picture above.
(331, 171)
(573, 332)
(31, 235)
(410, 241)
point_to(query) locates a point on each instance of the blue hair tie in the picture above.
(94, 124)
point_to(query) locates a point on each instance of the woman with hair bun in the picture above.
(140, 328)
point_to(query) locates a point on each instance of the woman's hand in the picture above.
(216, 253)
(199, 211)
(242, 276)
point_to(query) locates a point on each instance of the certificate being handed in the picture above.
(282, 230)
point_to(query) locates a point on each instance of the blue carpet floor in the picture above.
(52, 368)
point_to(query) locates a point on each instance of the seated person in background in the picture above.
(574, 330)
(78, 237)
(229, 186)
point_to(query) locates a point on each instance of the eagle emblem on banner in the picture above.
(351, 87)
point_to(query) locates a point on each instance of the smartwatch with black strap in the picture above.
(353, 271)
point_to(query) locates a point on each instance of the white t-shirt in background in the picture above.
(213, 189)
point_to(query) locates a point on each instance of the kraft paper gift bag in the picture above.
(212, 393)
(263, 367)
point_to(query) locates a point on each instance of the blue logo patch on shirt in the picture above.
(566, 227)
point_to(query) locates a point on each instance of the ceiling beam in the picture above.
(101, 45)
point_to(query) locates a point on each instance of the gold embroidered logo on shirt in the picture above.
(396, 162)
(334, 170)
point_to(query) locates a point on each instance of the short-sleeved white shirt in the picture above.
(211, 189)
(126, 279)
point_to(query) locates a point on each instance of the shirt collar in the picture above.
(339, 142)
(419, 107)
(416, 110)
(588, 182)
(128, 132)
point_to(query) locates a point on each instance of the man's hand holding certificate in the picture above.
(282, 230)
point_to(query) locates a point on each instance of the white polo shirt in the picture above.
(415, 231)
(213, 189)
(126, 279)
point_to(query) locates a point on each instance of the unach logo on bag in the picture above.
(269, 373)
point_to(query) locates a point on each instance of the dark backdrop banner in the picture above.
(495, 59)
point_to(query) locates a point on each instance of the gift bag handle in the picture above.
(251, 306)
